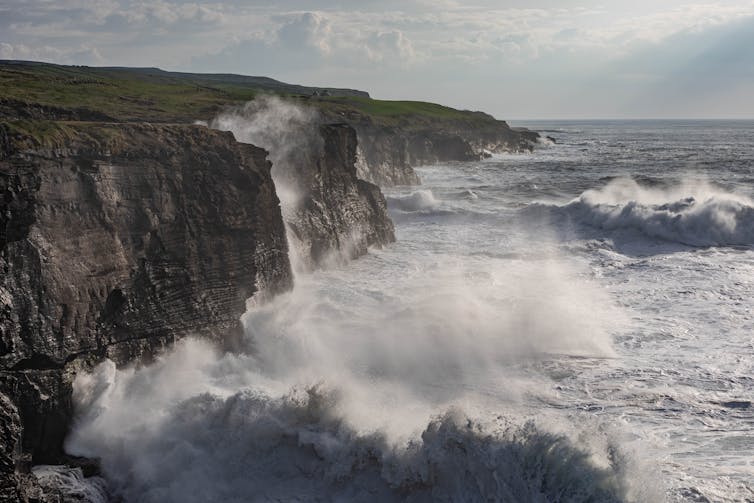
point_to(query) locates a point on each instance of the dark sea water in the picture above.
(570, 325)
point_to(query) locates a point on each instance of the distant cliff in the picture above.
(394, 137)
(387, 156)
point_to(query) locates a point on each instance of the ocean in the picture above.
(569, 325)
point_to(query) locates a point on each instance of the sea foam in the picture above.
(693, 213)
(350, 393)
(418, 200)
(260, 445)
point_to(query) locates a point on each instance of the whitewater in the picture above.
(569, 325)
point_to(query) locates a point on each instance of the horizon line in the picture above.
(606, 119)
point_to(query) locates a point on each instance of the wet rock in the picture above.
(338, 216)
(115, 241)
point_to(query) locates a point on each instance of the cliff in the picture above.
(398, 135)
(119, 237)
(116, 240)
(335, 216)
(393, 136)
(387, 156)
(331, 215)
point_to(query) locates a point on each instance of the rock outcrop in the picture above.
(388, 154)
(18, 109)
(116, 240)
(331, 215)
(336, 215)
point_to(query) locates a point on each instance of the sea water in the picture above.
(573, 324)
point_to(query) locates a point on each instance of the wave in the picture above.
(69, 484)
(692, 214)
(468, 194)
(253, 446)
(419, 200)
(348, 387)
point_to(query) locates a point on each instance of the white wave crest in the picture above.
(253, 446)
(64, 483)
(420, 200)
(694, 213)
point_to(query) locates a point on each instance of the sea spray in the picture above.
(419, 200)
(252, 446)
(330, 215)
(289, 132)
(692, 213)
(359, 393)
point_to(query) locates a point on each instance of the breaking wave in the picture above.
(254, 446)
(420, 200)
(63, 483)
(692, 214)
(354, 393)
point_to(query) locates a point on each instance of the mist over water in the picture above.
(545, 329)
(351, 388)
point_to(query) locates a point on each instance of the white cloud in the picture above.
(77, 55)
(306, 31)
(389, 47)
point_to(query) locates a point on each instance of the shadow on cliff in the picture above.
(331, 215)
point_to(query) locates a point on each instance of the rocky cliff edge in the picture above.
(116, 240)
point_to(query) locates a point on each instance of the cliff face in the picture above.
(116, 240)
(387, 154)
(337, 215)
(384, 158)
(331, 215)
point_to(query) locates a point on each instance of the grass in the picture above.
(62, 134)
(122, 95)
(152, 95)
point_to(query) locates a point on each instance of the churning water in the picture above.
(571, 325)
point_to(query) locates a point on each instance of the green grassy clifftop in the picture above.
(47, 91)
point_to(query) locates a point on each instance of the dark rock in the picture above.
(16, 481)
(337, 216)
(115, 241)
(10, 449)
(387, 154)
(737, 404)
(17, 109)
(383, 157)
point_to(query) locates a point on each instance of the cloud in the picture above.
(457, 52)
(306, 31)
(390, 46)
(311, 41)
(80, 55)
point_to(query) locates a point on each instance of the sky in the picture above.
(516, 59)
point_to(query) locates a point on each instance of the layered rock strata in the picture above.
(387, 155)
(116, 240)
(336, 215)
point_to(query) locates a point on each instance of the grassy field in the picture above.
(153, 95)
(120, 94)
